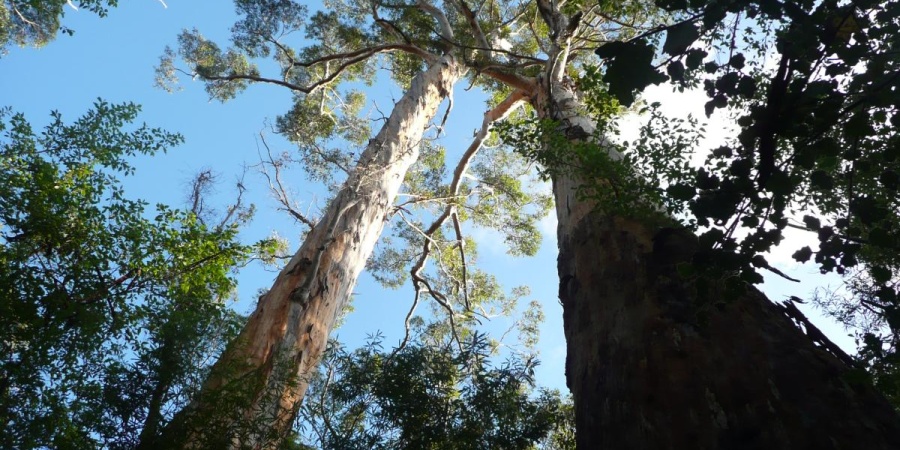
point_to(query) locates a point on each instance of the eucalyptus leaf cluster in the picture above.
(37, 22)
(427, 396)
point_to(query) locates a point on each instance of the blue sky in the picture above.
(113, 58)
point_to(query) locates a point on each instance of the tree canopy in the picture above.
(112, 315)
(430, 395)
(37, 22)
(107, 313)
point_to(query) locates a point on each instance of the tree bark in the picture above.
(654, 364)
(255, 388)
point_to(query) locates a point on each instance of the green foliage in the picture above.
(624, 75)
(508, 199)
(499, 193)
(315, 53)
(595, 93)
(324, 137)
(634, 180)
(37, 22)
(428, 396)
(105, 315)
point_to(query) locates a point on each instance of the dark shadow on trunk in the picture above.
(653, 364)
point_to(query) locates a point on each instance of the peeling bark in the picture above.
(256, 387)
(654, 364)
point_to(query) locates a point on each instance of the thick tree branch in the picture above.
(516, 81)
(363, 53)
(438, 15)
(388, 25)
(476, 27)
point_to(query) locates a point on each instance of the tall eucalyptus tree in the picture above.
(644, 339)
(631, 302)
(658, 321)
(257, 385)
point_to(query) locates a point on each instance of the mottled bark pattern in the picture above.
(650, 369)
(266, 369)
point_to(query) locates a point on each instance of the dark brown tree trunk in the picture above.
(652, 366)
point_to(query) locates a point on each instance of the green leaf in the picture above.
(812, 223)
(802, 255)
(685, 270)
(867, 210)
(751, 276)
(821, 181)
(759, 261)
(672, 5)
(780, 183)
(880, 274)
(746, 87)
(890, 180)
(880, 237)
(675, 69)
(611, 49)
(694, 57)
(680, 37)
(681, 192)
(630, 69)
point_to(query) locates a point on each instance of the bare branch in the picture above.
(349, 59)
(409, 315)
(363, 53)
(238, 203)
(416, 199)
(499, 112)
(393, 29)
(491, 49)
(535, 35)
(277, 187)
(514, 18)
(441, 300)
(388, 25)
(440, 127)
(461, 244)
(259, 79)
(199, 186)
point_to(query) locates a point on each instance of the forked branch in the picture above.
(499, 112)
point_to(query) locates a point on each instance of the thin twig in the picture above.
(277, 187)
